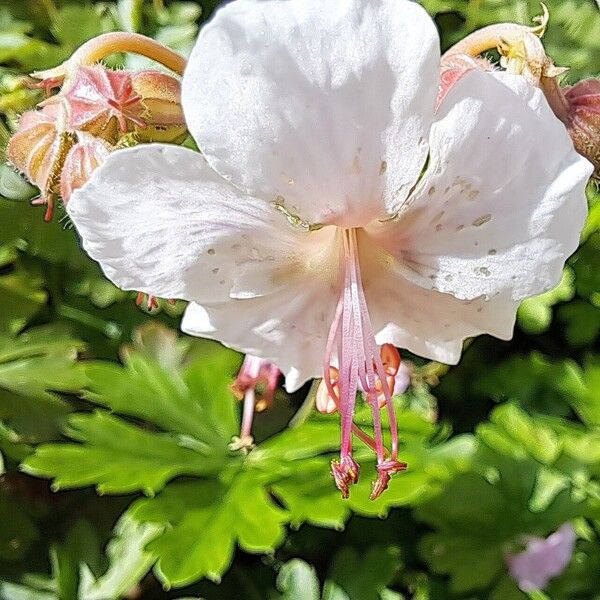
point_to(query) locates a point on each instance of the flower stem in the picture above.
(556, 99)
(106, 44)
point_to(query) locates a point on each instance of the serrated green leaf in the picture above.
(194, 401)
(521, 433)
(33, 367)
(129, 562)
(207, 519)
(116, 457)
(476, 522)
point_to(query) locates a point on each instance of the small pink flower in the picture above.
(542, 559)
(59, 146)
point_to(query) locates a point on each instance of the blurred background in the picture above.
(116, 481)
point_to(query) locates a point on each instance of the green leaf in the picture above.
(586, 264)
(11, 444)
(129, 562)
(23, 225)
(535, 382)
(582, 322)
(297, 580)
(535, 314)
(517, 434)
(477, 521)
(206, 520)
(13, 186)
(362, 577)
(33, 368)
(584, 393)
(117, 457)
(193, 401)
(21, 297)
(13, 591)
(72, 25)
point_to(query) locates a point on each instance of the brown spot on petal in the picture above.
(482, 220)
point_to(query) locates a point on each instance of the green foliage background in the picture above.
(116, 478)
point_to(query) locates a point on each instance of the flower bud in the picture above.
(81, 160)
(38, 149)
(111, 104)
(101, 102)
(582, 119)
(161, 98)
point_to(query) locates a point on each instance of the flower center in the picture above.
(361, 365)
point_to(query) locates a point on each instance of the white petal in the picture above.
(159, 220)
(427, 322)
(289, 328)
(502, 203)
(323, 105)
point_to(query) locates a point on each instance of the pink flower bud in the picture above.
(101, 102)
(58, 147)
(85, 156)
(110, 104)
(38, 149)
(161, 99)
(583, 120)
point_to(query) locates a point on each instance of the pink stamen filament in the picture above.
(359, 362)
(248, 413)
(250, 372)
(255, 371)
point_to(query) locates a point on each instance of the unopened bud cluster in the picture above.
(98, 110)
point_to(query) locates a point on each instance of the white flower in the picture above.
(332, 199)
